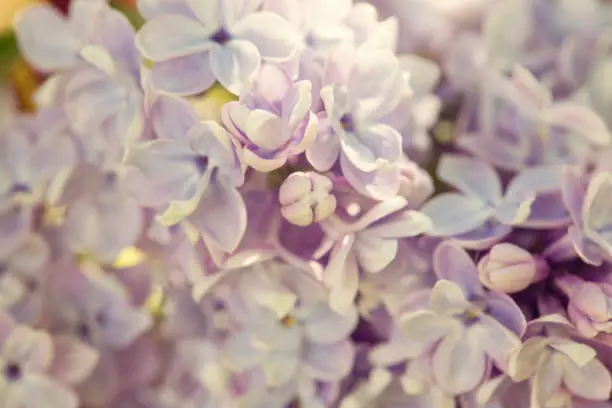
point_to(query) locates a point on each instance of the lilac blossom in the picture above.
(586, 202)
(519, 124)
(220, 40)
(100, 218)
(33, 374)
(22, 279)
(482, 215)
(463, 324)
(235, 206)
(287, 328)
(205, 172)
(91, 33)
(369, 243)
(589, 307)
(34, 152)
(362, 105)
(272, 121)
(323, 26)
(563, 369)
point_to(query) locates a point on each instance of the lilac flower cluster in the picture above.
(230, 206)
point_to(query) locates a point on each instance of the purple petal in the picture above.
(573, 190)
(172, 117)
(44, 392)
(221, 215)
(187, 75)
(471, 177)
(188, 37)
(273, 36)
(453, 263)
(235, 64)
(483, 237)
(578, 120)
(468, 213)
(380, 184)
(424, 328)
(547, 212)
(73, 361)
(47, 53)
(329, 362)
(591, 381)
(323, 325)
(326, 147)
(459, 364)
(505, 310)
(447, 298)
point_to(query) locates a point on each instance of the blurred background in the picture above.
(14, 72)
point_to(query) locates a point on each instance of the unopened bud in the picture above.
(508, 268)
(305, 198)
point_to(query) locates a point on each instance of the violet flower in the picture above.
(272, 121)
(590, 304)
(482, 215)
(33, 376)
(204, 174)
(587, 205)
(464, 326)
(519, 124)
(362, 105)
(369, 243)
(220, 40)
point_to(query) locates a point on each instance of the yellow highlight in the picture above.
(128, 258)
(155, 303)
(208, 105)
(10, 8)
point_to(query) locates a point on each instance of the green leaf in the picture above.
(9, 53)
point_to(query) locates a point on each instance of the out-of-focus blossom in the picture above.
(220, 40)
(272, 121)
(33, 374)
(518, 123)
(22, 279)
(287, 329)
(323, 26)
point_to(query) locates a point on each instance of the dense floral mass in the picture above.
(310, 203)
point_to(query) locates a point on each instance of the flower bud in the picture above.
(305, 198)
(589, 306)
(509, 268)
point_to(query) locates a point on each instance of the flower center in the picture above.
(288, 321)
(21, 188)
(201, 163)
(347, 122)
(84, 331)
(221, 36)
(13, 372)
